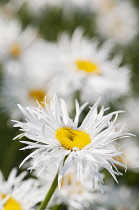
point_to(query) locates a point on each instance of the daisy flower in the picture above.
(32, 88)
(39, 77)
(14, 42)
(86, 67)
(77, 195)
(73, 193)
(59, 139)
(19, 194)
(116, 24)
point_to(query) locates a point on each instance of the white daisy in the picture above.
(32, 88)
(19, 194)
(86, 67)
(77, 195)
(56, 137)
(14, 42)
(36, 76)
(119, 22)
(73, 193)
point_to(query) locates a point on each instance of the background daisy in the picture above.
(19, 194)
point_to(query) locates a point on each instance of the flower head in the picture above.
(74, 194)
(86, 67)
(59, 139)
(19, 194)
(36, 80)
(14, 43)
(114, 23)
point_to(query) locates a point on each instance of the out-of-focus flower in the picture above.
(73, 193)
(36, 76)
(77, 195)
(113, 21)
(14, 42)
(86, 67)
(25, 89)
(56, 137)
(19, 194)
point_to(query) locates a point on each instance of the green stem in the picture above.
(50, 193)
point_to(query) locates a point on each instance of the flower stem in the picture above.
(50, 193)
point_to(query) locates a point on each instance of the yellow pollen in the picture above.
(87, 66)
(70, 138)
(37, 94)
(15, 50)
(11, 204)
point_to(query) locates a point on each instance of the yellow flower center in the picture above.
(37, 94)
(70, 138)
(11, 204)
(87, 66)
(15, 50)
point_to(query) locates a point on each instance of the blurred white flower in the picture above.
(56, 136)
(14, 42)
(36, 76)
(77, 195)
(73, 193)
(86, 67)
(19, 194)
(25, 89)
(117, 20)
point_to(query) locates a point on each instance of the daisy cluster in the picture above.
(67, 72)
